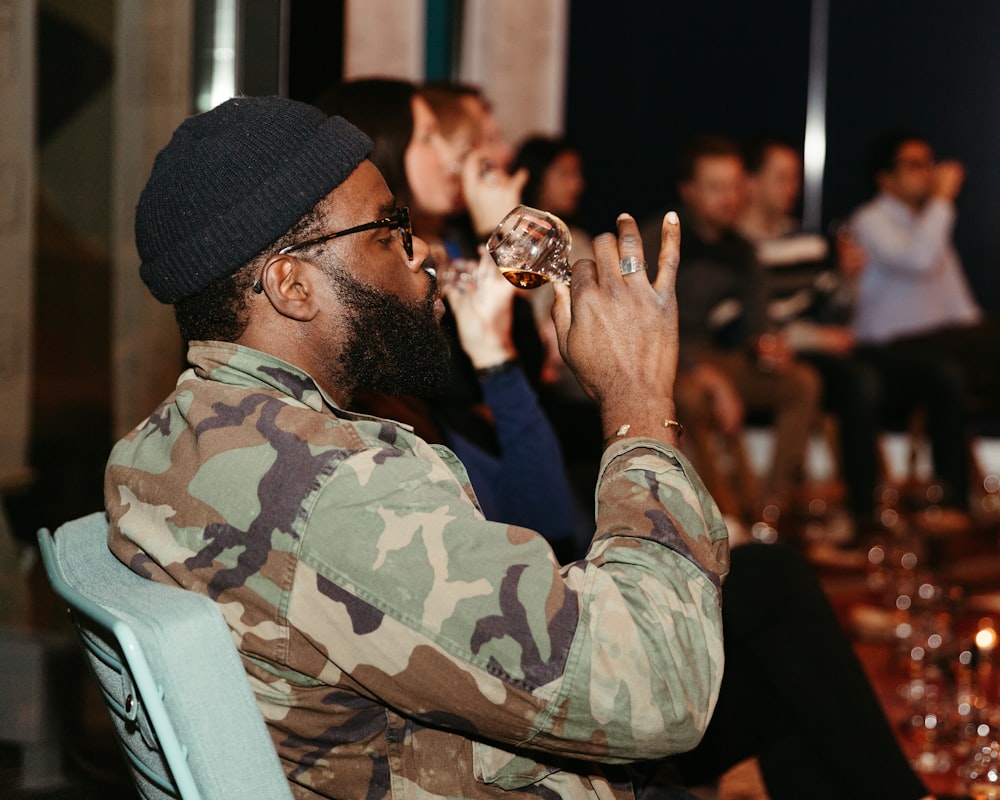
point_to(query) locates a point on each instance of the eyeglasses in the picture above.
(399, 219)
(914, 164)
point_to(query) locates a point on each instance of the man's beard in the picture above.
(392, 346)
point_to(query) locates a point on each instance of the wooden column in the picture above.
(17, 204)
(152, 95)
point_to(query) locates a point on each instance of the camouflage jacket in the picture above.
(400, 645)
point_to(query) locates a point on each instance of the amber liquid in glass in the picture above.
(524, 279)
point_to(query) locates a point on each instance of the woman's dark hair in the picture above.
(447, 107)
(536, 155)
(382, 108)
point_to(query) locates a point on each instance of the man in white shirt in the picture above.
(912, 290)
(913, 281)
(864, 385)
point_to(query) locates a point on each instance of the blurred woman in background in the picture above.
(489, 416)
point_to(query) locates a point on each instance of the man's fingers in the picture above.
(606, 256)
(670, 253)
(631, 259)
(619, 256)
(562, 314)
(582, 273)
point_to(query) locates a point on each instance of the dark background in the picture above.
(645, 76)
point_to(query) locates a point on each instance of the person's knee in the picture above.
(691, 402)
(802, 384)
(768, 584)
(761, 564)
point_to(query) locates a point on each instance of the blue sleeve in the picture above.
(527, 485)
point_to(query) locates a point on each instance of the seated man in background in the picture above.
(808, 302)
(913, 291)
(810, 299)
(730, 358)
(393, 636)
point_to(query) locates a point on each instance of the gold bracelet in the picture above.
(624, 429)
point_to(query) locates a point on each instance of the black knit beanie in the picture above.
(231, 182)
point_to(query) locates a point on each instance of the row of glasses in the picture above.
(979, 716)
(950, 692)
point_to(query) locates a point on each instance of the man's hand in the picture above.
(618, 333)
(489, 193)
(947, 180)
(808, 336)
(483, 311)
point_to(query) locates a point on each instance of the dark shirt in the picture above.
(720, 290)
(802, 281)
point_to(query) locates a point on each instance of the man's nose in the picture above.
(421, 250)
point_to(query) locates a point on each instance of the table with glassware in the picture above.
(925, 618)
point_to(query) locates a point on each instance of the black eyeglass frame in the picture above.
(400, 219)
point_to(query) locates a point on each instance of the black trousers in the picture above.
(794, 694)
(852, 392)
(975, 349)
(912, 378)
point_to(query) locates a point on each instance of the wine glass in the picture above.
(460, 273)
(530, 247)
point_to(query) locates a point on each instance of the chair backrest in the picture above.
(180, 701)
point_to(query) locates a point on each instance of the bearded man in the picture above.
(397, 641)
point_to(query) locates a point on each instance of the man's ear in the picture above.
(289, 283)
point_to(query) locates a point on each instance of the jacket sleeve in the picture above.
(472, 626)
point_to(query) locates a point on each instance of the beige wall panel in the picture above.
(384, 37)
(516, 51)
(152, 97)
(17, 204)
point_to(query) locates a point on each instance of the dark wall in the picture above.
(641, 84)
(934, 67)
(644, 78)
(316, 47)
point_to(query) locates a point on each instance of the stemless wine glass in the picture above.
(460, 273)
(530, 246)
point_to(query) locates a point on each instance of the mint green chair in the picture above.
(169, 673)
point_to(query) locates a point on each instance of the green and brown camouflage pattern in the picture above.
(399, 645)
